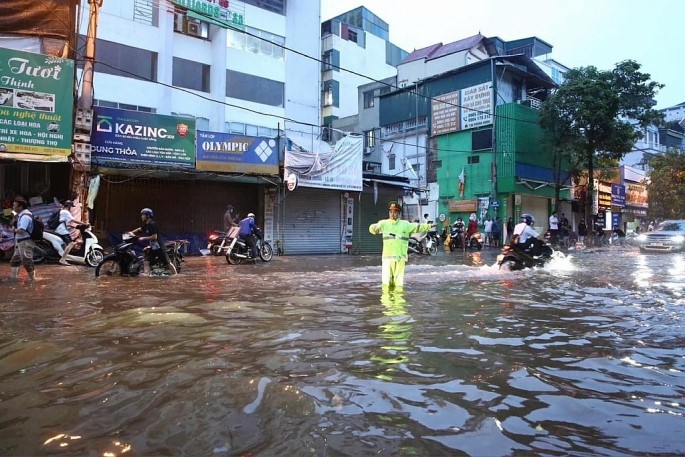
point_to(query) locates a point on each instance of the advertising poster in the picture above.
(226, 152)
(445, 113)
(36, 103)
(129, 139)
(476, 106)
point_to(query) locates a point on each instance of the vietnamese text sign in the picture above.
(36, 103)
(476, 106)
(445, 113)
(462, 206)
(218, 151)
(129, 138)
(221, 12)
(618, 195)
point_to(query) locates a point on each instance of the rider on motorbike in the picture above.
(457, 234)
(150, 232)
(247, 229)
(526, 237)
(65, 221)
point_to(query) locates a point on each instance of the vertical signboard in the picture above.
(36, 103)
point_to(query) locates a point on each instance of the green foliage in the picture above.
(666, 186)
(594, 116)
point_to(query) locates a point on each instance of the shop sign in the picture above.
(217, 151)
(132, 138)
(462, 206)
(636, 195)
(224, 13)
(36, 103)
(618, 195)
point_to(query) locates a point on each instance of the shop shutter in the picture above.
(368, 213)
(312, 221)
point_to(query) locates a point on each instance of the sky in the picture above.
(582, 32)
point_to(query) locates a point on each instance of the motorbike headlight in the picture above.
(642, 237)
(678, 239)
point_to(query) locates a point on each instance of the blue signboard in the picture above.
(226, 152)
(618, 195)
(123, 138)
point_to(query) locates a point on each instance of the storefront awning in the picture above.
(403, 185)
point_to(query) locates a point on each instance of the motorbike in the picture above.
(423, 243)
(457, 238)
(237, 251)
(125, 261)
(219, 241)
(87, 252)
(514, 257)
(6, 240)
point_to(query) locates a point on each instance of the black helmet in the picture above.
(229, 208)
(147, 212)
(527, 218)
(68, 204)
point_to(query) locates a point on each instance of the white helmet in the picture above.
(250, 215)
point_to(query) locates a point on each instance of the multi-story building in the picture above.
(675, 113)
(214, 75)
(466, 122)
(356, 50)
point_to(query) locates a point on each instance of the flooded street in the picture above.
(304, 356)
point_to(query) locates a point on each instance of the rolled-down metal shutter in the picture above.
(537, 206)
(312, 222)
(369, 213)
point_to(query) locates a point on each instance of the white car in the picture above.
(669, 236)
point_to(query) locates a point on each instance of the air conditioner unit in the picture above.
(194, 28)
(368, 150)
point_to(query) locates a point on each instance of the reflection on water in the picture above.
(308, 356)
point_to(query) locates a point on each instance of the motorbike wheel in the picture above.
(94, 257)
(38, 254)
(266, 252)
(107, 267)
(215, 249)
(232, 259)
(177, 263)
(433, 250)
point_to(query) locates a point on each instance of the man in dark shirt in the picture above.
(150, 232)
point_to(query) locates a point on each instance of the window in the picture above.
(275, 6)
(352, 35)
(107, 104)
(256, 41)
(368, 99)
(391, 162)
(191, 75)
(474, 159)
(254, 88)
(121, 60)
(481, 139)
(370, 139)
(330, 94)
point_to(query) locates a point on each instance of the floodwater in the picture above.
(304, 356)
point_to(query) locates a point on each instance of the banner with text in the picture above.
(467, 108)
(337, 168)
(131, 138)
(226, 152)
(36, 103)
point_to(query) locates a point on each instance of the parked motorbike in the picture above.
(125, 261)
(219, 241)
(6, 240)
(514, 257)
(238, 251)
(87, 252)
(422, 243)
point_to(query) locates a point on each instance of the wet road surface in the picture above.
(305, 356)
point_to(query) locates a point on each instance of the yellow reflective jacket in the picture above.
(396, 236)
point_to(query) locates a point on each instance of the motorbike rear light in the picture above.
(213, 236)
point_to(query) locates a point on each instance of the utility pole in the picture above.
(83, 118)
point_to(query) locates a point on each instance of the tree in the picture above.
(595, 117)
(666, 186)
